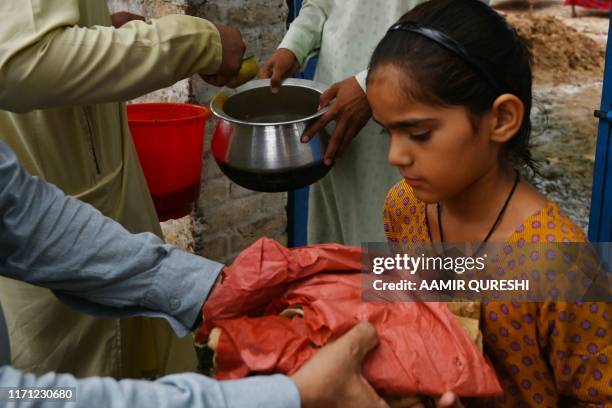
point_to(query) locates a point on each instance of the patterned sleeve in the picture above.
(404, 216)
(389, 219)
(579, 344)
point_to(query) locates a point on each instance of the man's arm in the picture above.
(90, 261)
(46, 60)
(331, 378)
(178, 391)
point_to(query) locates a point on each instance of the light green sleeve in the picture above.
(47, 61)
(304, 35)
(362, 78)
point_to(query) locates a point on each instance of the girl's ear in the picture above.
(507, 117)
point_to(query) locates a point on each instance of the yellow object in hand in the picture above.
(220, 99)
(248, 71)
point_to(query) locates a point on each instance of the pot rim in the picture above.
(216, 106)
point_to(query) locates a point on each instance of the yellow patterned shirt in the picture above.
(545, 354)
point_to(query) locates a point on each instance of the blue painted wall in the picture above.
(600, 224)
(297, 206)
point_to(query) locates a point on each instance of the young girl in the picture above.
(451, 85)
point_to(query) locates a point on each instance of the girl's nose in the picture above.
(400, 154)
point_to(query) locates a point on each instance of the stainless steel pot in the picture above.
(257, 138)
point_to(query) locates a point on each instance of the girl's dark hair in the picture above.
(443, 78)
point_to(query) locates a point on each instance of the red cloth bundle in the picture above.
(592, 4)
(422, 349)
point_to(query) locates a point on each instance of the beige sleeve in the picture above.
(47, 61)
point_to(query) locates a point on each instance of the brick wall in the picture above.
(227, 218)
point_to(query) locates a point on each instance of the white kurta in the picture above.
(346, 205)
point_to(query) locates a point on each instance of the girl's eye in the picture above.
(420, 137)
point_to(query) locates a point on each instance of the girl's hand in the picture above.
(279, 67)
(351, 111)
(447, 400)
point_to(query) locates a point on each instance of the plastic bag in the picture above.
(264, 271)
(422, 349)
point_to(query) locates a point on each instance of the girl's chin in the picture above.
(423, 191)
(425, 196)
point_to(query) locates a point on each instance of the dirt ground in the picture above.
(569, 58)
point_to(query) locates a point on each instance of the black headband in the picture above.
(451, 45)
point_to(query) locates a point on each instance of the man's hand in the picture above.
(350, 110)
(279, 67)
(332, 378)
(233, 52)
(124, 17)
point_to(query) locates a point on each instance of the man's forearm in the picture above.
(182, 390)
(90, 261)
(47, 60)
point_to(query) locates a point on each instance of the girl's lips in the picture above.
(412, 181)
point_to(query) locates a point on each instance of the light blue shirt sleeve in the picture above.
(176, 391)
(94, 264)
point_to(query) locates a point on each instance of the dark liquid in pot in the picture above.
(276, 182)
(260, 105)
(273, 117)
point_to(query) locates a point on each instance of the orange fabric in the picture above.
(422, 350)
(545, 354)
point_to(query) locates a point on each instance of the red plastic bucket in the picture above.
(169, 139)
